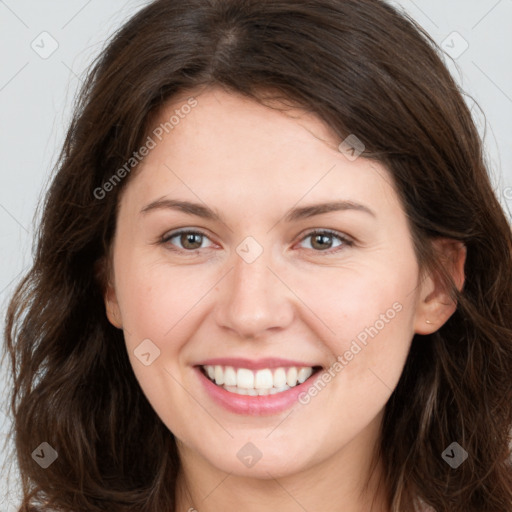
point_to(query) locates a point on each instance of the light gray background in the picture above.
(36, 99)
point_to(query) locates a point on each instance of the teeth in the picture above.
(304, 374)
(262, 382)
(244, 379)
(219, 375)
(291, 376)
(279, 378)
(273, 391)
(255, 392)
(229, 376)
(263, 379)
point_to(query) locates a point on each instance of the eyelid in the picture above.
(171, 234)
(345, 239)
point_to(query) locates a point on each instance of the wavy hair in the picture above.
(363, 68)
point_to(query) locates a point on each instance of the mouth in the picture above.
(261, 382)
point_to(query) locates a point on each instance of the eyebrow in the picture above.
(292, 215)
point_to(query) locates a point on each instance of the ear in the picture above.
(105, 277)
(112, 307)
(435, 302)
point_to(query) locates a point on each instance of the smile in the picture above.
(265, 381)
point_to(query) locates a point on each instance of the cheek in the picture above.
(366, 321)
(348, 300)
(160, 304)
(157, 298)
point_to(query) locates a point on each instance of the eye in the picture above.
(190, 240)
(322, 240)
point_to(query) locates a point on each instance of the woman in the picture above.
(271, 274)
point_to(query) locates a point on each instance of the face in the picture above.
(257, 279)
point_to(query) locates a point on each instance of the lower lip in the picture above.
(255, 405)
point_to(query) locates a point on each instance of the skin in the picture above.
(252, 164)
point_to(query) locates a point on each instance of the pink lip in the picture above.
(269, 362)
(254, 405)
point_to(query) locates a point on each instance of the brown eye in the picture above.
(187, 240)
(191, 240)
(322, 241)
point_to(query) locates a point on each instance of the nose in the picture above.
(254, 298)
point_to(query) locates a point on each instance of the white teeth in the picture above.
(263, 379)
(261, 382)
(219, 375)
(279, 378)
(291, 376)
(234, 389)
(255, 392)
(273, 391)
(244, 378)
(304, 374)
(229, 376)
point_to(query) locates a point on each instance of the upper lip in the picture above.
(254, 364)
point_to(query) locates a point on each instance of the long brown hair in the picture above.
(364, 69)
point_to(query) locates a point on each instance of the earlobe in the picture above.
(435, 302)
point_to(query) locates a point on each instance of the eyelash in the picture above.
(346, 242)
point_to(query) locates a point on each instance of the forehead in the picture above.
(223, 142)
